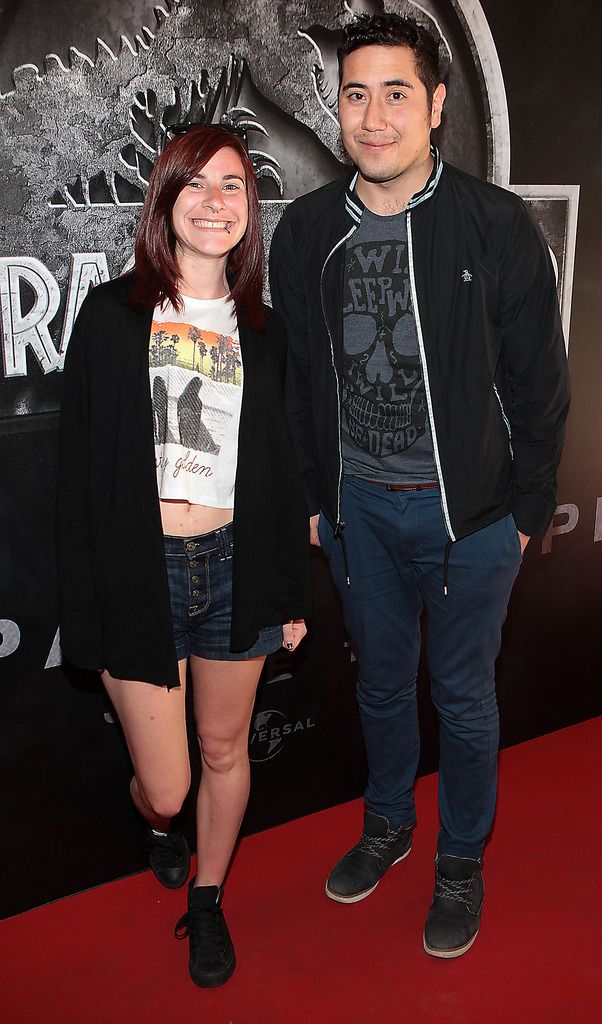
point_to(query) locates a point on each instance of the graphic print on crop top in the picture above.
(196, 376)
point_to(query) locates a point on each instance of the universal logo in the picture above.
(270, 731)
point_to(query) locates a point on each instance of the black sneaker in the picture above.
(212, 959)
(452, 923)
(360, 870)
(169, 858)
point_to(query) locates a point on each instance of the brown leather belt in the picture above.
(398, 487)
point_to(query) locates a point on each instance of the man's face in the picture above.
(384, 112)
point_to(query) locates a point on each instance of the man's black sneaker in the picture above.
(452, 923)
(360, 870)
(169, 857)
(212, 959)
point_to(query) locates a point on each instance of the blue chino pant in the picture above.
(395, 543)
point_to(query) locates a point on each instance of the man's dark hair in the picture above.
(392, 30)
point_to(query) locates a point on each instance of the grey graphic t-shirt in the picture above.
(385, 428)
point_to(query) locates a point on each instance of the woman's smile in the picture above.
(211, 213)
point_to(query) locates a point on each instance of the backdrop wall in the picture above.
(79, 131)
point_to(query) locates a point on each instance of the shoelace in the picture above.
(204, 928)
(375, 846)
(450, 889)
(164, 849)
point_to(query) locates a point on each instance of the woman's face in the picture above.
(210, 215)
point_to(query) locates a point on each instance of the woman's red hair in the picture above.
(155, 260)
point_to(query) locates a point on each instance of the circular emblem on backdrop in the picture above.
(267, 735)
(77, 202)
(270, 731)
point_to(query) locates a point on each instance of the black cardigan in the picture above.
(114, 602)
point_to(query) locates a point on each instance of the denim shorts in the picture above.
(199, 570)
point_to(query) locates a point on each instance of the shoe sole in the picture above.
(367, 892)
(448, 954)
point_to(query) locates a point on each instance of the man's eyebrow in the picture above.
(386, 85)
(398, 81)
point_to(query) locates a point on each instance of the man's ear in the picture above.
(437, 105)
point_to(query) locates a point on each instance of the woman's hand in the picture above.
(313, 530)
(293, 633)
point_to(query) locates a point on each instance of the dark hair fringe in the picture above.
(390, 29)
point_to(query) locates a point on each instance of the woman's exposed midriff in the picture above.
(181, 519)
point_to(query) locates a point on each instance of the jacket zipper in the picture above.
(339, 525)
(506, 421)
(444, 507)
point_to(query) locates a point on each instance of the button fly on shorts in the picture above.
(200, 598)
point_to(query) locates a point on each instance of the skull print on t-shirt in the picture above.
(386, 434)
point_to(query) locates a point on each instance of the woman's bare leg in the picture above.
(224, 694)
(153, 720)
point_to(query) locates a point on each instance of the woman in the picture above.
(182, 531)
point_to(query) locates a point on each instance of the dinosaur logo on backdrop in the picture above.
(271, 731)
(73, 210)
(70, 202)
(195, 103)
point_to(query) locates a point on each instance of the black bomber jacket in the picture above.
(114, 604)
(484, 297)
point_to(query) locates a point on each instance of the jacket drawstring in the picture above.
(446, 566)
(339, 536)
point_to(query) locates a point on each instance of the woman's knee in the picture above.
(165, 799)
(222, 754)
(168, 805)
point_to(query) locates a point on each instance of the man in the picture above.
(428, 398)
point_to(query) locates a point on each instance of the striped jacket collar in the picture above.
(355, 207)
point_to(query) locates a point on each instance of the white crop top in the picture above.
(196, 387)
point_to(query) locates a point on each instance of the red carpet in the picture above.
(108, 955)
